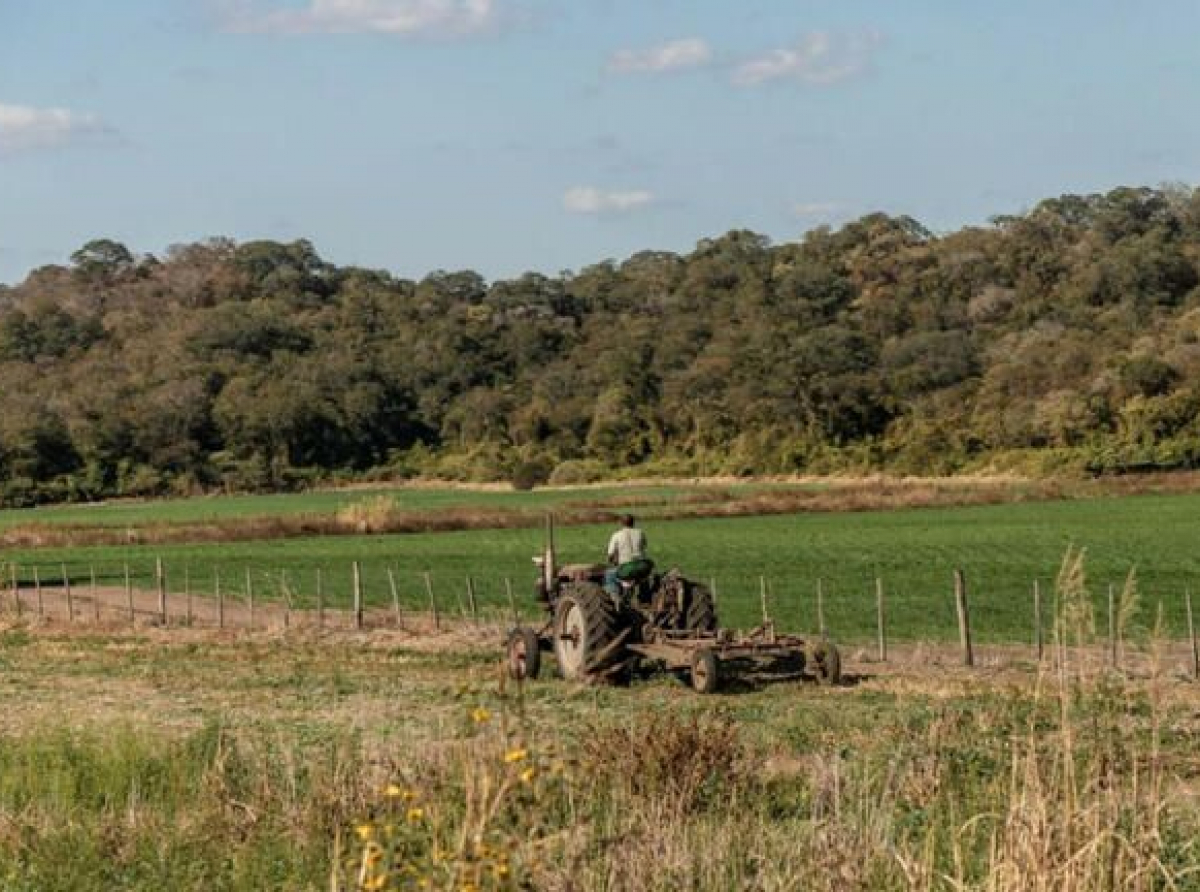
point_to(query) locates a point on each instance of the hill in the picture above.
(1063, 339)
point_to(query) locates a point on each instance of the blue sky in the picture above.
(509, 135)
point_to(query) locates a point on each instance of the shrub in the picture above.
(531, 473)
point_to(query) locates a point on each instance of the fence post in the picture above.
(250, 597)
(16, 588)
(129, 595)
(474, 608)
(320, 601)
(820, 607)
(1112, 626)
(37, 587)
(70, 599)
(187, 594)
(964, 618)
(160, 580)
(1192, 638)
(287, 600)
(358, 604)
(220, 598)
(881, 627)
(395, 597)
(1039, 638)
(95, 593)
(433, 609)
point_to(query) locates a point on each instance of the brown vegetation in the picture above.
(381, 514)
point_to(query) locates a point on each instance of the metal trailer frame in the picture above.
(705, 659)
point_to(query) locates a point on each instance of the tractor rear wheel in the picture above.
(701, 615)
(585, 628)
(523, 653)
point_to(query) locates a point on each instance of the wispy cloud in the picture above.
(675, 55)
(590, 200)
(821, 58)
(398, 17)
(25, 128)
(806, 210)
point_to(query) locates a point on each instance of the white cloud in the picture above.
(675, 55)
(399, 17)
(590, 200)
(24, 128)
(805, 209)
(819, 59)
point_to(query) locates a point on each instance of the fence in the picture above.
(253, 599)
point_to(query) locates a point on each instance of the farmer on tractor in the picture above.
(627, 558)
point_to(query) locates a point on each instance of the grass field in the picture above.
(1001, 548)
(183, 760)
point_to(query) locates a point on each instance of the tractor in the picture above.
(597, 635)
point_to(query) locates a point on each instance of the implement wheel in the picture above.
(584, 629)
(826, 663)
(706, 671)
(523, 654)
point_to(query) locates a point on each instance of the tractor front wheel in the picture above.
(524, 654)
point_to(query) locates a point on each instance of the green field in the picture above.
(1002, 550)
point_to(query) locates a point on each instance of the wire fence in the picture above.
(249, 599)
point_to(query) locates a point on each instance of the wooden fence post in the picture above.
(964, 618)
(287, 600)
(820, 607)
(187, 594)
(220, 598)
(1192, 638)
(129, 595)
(880, 626)
(95, 593)
(37, 588)
(471, 605)
(250, 597)
(320, 601)
(1039, 638)
(433, 608)
(395, 597)
(16, 588)
(358, 604)
(160, 580)
(1112, 626)
(70, 599)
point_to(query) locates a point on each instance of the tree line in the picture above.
(1064, 339)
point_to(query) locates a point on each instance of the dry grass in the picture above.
(382, 514)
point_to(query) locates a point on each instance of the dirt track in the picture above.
(113, 609)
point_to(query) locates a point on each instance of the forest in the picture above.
(1063, 340)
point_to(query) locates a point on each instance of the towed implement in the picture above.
(596, 635)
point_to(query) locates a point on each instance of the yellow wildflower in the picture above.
(415, 814)
(528, 774)
(479, 715)
(516, 755)
(365, 831)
